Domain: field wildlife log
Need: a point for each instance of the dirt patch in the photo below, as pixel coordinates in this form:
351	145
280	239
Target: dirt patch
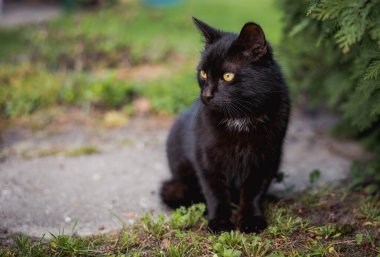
333	206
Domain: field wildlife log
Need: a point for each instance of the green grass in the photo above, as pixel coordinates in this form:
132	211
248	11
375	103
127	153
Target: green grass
34	88
183	233
134	31
12	42
72	60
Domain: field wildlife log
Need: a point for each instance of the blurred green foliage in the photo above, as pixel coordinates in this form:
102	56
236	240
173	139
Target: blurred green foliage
181	93
61	61
331	53
24	89
34	88
134	32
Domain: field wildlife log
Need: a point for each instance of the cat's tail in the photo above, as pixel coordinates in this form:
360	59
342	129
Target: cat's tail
176	193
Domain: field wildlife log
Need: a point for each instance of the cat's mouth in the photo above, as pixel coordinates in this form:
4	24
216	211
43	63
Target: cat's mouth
228	109
210	103
218	108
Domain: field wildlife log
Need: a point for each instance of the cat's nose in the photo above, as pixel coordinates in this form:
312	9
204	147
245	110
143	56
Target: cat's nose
207	96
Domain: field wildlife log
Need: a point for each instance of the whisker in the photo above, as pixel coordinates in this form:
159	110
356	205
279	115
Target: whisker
242	106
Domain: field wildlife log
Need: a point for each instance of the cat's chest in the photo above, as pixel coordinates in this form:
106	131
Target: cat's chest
232	152
235	159
236	148
232	143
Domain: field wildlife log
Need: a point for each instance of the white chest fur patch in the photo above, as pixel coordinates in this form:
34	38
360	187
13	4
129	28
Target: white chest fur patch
238	124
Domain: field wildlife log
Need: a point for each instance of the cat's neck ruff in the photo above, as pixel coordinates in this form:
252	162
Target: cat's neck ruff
238	124
243	124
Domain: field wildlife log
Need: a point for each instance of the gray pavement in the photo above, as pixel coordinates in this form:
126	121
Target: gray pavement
102	191
15	14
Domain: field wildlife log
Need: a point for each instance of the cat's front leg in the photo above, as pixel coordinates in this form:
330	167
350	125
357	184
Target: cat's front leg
251	217
217	194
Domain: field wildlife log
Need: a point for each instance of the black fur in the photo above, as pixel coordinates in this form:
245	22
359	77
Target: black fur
212	157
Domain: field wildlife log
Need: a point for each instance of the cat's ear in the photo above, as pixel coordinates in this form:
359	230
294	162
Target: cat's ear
209	33
251	41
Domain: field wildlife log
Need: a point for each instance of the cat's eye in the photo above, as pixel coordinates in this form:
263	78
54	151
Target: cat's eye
203	74
228	76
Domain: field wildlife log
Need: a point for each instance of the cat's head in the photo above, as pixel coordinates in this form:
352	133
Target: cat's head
236	72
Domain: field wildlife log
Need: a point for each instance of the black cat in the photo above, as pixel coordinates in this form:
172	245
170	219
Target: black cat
227	147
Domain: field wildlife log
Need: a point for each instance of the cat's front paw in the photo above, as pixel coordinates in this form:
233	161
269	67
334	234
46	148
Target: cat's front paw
220	225
253	224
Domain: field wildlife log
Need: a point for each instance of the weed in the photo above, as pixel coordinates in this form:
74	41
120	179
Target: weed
372	238
179	250
284	223
317	248
228	243
23	244
314	176
359	238
183	218
370	208
126	241
368	237
25	247
256	246
70	245
222	251
235	243
232	239
326	231
154	226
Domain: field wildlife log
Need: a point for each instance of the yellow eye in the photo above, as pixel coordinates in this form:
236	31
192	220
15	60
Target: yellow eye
228	76
203	74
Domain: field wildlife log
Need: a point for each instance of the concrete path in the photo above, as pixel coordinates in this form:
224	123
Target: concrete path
102	191
14	14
